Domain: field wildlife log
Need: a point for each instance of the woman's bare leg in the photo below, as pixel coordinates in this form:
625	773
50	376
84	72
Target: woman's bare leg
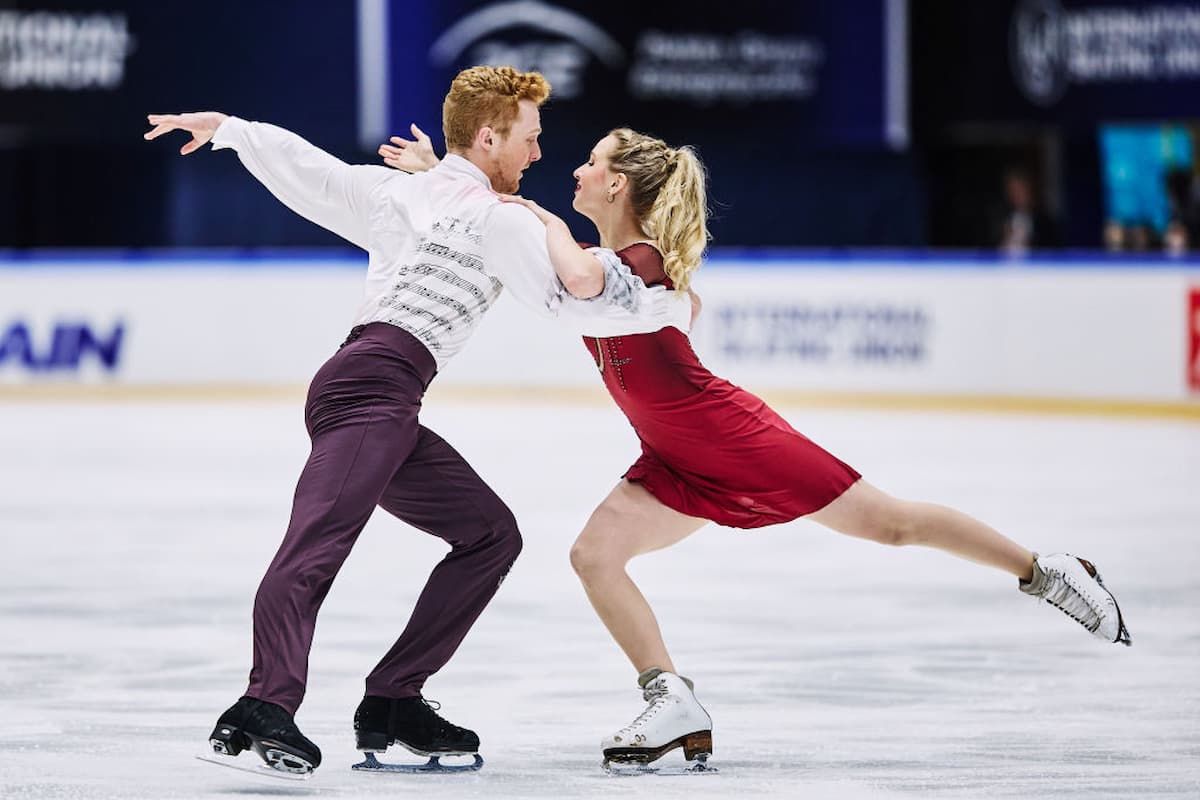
868	513
629	522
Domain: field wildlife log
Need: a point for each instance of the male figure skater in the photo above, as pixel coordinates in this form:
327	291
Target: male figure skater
441	247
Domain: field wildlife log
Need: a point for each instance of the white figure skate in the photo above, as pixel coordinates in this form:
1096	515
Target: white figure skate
672	719
1073	586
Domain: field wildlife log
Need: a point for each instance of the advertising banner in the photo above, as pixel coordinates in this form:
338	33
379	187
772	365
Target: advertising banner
1074	63
97	67
1193	336
941	328
758	73
173	322
761	89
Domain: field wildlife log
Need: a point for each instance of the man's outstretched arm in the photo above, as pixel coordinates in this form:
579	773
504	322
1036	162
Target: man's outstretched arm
306	179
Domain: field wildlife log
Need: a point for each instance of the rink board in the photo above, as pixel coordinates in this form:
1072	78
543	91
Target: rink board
1090	330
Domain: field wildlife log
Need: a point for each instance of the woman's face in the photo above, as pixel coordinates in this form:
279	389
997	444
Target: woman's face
593	179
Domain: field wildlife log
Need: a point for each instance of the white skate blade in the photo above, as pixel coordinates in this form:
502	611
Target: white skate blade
372	764
631	768
253	767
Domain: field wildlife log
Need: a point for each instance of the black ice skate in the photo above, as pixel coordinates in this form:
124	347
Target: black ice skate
268	730
412	723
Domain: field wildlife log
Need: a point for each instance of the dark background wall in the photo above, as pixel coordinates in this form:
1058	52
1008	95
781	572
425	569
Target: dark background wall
75	172
1030	84
816	166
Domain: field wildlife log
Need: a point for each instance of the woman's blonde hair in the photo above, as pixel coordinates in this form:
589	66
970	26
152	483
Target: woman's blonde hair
487	96
668	194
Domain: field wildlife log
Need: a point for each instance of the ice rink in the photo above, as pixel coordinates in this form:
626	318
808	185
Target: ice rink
135	534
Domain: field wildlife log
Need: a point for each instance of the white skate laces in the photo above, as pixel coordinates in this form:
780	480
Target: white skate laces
656	693
1073	586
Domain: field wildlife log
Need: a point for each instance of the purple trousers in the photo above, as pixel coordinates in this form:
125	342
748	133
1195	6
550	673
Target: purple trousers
368	449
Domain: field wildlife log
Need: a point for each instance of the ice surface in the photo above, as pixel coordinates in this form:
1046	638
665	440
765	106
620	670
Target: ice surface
134	536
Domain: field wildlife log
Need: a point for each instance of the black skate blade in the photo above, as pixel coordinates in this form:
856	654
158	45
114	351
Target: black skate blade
1123	636
253	767
372	764
632	768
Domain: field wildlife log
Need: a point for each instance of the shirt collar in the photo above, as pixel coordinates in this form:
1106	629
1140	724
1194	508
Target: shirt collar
458	165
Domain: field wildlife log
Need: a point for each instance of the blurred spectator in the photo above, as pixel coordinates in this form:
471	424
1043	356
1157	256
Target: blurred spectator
1183	193
1139	237
1023	224
1176	239
1114	236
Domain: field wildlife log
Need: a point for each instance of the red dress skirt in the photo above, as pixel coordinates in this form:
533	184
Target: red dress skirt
709	449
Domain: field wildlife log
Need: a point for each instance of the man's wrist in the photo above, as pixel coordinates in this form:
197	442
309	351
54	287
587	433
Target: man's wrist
226	132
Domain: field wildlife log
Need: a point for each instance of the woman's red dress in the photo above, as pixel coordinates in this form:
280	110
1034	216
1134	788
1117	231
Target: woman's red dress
709	449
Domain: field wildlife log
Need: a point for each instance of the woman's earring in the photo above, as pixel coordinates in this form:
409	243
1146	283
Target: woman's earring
612	197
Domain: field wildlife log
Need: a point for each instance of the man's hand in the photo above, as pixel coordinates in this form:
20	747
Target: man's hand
201	125
406	155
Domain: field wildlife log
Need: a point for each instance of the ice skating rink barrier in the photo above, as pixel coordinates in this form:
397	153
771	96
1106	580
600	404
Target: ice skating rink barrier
1076	333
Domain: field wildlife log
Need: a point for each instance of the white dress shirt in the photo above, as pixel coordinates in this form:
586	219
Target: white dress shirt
441	246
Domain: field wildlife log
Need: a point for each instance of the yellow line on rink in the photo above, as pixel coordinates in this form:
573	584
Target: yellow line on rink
991	404
784	398
595	396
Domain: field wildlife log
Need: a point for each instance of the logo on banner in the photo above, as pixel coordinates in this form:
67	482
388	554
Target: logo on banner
744	67
1037	41
837	333
560	43
1051	48
747	66
67	347
63	50
1193	364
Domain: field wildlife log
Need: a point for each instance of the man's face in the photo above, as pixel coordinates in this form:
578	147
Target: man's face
511	155
1020	193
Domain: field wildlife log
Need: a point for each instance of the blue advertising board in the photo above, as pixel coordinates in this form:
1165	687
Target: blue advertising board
812	73
771	94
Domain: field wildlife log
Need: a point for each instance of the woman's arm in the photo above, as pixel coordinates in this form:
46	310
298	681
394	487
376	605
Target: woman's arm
581	273
516	253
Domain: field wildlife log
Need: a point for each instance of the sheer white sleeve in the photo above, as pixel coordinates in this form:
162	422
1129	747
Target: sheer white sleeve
516	253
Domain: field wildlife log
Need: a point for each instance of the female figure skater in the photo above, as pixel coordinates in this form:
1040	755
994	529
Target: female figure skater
712	451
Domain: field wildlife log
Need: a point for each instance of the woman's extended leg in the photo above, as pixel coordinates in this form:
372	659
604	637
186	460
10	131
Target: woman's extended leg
868	513
1069	583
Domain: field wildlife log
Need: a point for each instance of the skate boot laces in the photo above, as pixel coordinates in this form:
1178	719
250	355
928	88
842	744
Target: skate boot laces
1072	599
656	693
1073	586
1076	596
431	707
437	723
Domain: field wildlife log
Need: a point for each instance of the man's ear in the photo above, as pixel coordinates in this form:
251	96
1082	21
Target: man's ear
485	137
